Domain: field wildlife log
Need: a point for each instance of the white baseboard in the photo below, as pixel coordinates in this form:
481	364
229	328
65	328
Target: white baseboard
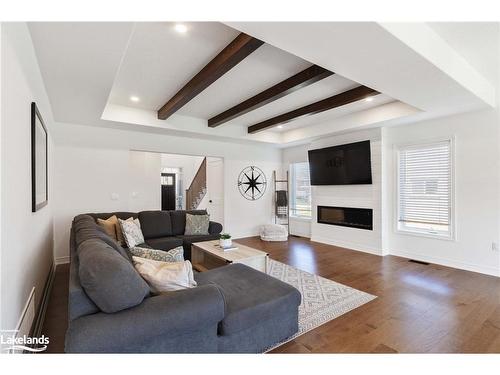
300	233
244	234
62	260
492	271
349	245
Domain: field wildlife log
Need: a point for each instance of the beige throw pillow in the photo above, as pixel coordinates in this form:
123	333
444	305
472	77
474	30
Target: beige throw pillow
109	225
165	276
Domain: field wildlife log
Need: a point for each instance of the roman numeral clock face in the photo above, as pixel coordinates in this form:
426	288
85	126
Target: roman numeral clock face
252	183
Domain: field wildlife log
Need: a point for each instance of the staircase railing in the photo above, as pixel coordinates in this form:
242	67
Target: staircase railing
198	187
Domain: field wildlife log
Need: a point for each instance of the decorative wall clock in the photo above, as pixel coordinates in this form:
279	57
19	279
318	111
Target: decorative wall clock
252	183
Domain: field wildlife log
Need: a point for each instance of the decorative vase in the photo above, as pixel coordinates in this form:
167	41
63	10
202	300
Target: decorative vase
225	243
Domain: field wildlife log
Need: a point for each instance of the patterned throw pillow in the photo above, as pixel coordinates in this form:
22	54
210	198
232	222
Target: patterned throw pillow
174	255
196	224
119	232
132	232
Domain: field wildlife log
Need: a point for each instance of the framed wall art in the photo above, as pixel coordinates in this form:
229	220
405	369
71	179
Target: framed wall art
39	161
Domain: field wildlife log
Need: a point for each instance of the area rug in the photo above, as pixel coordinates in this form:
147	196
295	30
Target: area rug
322	299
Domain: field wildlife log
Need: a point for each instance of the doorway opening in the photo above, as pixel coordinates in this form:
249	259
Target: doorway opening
168	192
193	183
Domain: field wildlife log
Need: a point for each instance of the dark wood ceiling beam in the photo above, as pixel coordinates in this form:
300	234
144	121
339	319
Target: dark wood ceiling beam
242	46
302	79
347	97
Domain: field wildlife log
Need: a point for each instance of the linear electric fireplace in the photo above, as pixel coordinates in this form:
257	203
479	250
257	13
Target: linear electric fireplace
361	218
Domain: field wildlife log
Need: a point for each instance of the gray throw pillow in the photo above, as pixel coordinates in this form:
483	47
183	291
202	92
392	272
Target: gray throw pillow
109	279
196	224
174	255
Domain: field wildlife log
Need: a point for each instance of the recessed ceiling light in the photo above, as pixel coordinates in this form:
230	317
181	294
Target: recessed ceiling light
180	28
369	99
134	98
280	126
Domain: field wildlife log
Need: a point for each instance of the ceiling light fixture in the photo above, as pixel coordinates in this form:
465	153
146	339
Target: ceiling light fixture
135	99
280	126
369	99
180	28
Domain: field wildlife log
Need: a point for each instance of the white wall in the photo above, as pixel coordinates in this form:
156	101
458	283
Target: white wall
213	201
476	192
91	163
1	140
27	238
144	181
88	179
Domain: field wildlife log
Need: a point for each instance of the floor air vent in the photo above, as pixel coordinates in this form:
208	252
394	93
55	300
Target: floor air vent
419	262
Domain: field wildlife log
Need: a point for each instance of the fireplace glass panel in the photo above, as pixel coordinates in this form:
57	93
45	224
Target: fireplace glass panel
361	218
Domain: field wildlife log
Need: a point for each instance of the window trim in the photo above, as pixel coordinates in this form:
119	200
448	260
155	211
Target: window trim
291	195
453	209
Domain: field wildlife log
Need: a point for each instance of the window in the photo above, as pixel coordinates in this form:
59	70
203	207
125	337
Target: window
300	190
425	190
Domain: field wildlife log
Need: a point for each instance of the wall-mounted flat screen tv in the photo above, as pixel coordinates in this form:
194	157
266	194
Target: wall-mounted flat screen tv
348	164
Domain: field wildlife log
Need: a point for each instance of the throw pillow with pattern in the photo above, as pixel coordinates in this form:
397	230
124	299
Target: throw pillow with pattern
174	255
196	224
132	232
119	233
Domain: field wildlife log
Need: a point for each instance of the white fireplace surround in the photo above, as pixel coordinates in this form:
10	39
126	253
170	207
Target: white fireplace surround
355	196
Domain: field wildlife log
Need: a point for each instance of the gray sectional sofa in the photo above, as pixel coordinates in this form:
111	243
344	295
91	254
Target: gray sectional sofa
234	309
164	230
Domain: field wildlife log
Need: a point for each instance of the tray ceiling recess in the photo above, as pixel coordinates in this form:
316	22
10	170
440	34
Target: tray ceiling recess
234	53
278	83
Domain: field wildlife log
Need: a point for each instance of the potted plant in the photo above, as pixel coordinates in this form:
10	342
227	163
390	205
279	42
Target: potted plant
225	240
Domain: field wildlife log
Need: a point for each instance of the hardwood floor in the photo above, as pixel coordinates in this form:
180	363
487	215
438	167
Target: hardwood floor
419	309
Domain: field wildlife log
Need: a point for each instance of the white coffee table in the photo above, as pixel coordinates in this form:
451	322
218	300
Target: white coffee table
207	255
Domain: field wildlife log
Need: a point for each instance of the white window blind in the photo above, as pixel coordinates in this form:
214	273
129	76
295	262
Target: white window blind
300	197
425	188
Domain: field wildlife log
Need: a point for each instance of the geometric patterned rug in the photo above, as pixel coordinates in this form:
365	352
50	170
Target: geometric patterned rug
322	299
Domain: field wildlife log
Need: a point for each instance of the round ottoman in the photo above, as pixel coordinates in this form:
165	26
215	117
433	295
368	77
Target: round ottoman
273	232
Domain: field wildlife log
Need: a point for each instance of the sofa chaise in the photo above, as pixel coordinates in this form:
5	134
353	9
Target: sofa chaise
233	309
